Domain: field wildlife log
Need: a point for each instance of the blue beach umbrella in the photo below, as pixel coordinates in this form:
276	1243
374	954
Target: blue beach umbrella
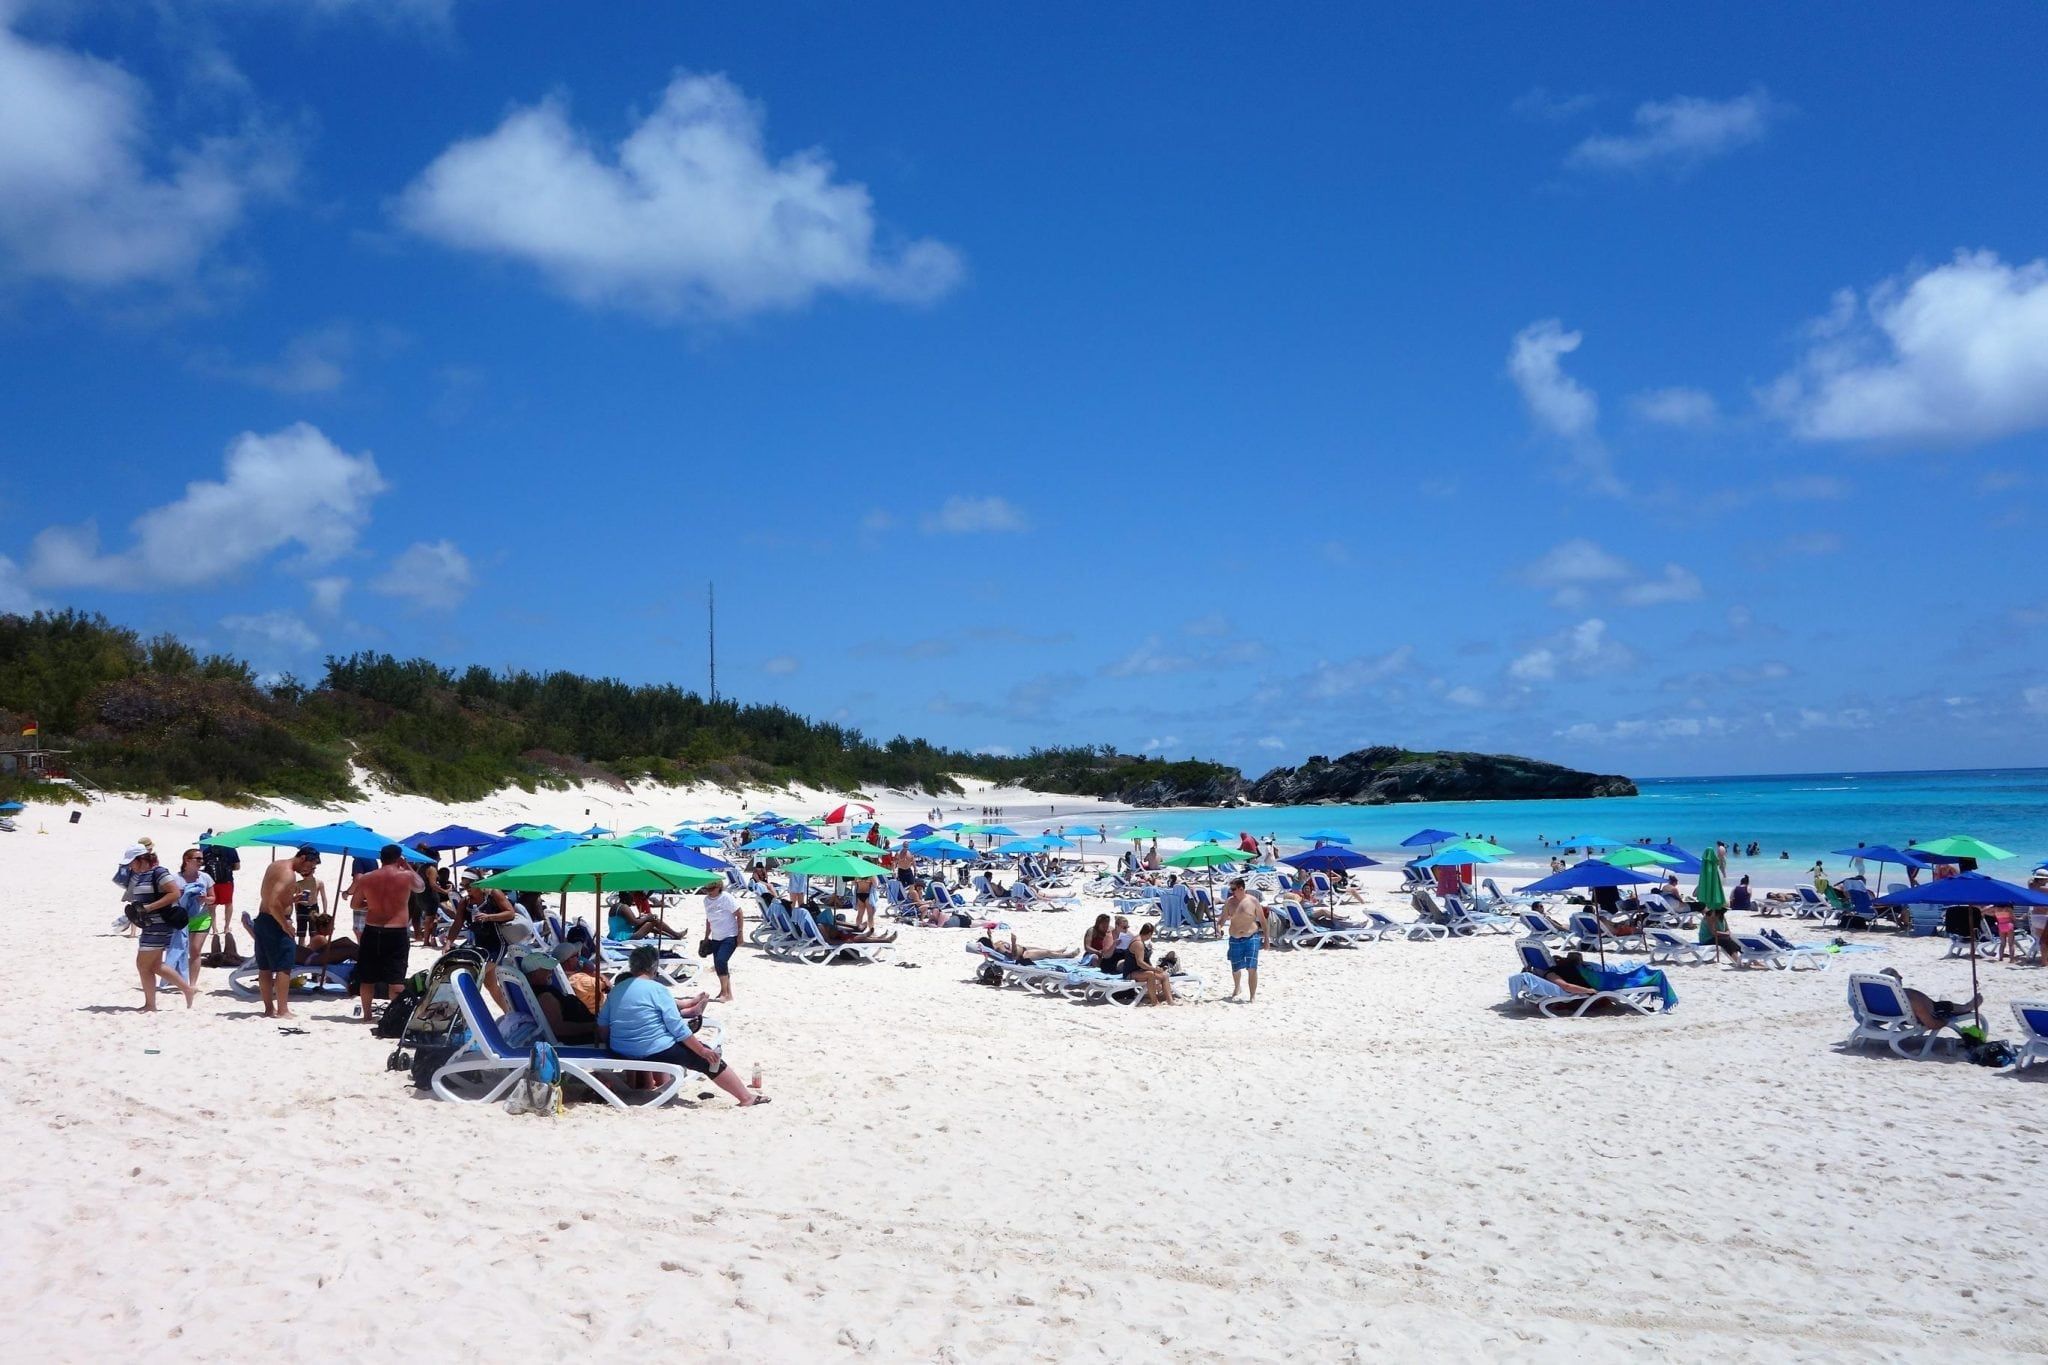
1688	863
1885	853
676	851
451	836
1455	857
1966	888
1017	846
1328	859
919	831
1086	832
1423	838
1210	836
690	838
1594	841
945	850
1331	836
10	807
765	846
1589	874
346	838
518	853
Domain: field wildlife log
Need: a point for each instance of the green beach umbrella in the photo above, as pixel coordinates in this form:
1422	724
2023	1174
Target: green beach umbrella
1962	846
258	833
1709	891
834	863
600	867
1207	855
1636	856
1141	833
1482	846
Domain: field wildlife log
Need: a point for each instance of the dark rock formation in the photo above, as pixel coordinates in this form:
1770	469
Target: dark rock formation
1383	774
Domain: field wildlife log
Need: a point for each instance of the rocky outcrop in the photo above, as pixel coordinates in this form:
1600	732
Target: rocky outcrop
1220	790
1383	774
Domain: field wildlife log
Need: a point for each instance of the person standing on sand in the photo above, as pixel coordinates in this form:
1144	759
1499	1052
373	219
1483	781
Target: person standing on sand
1244	919
277	950
724	922
150	890
385	898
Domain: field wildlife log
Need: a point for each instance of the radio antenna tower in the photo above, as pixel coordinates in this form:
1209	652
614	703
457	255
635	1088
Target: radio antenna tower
711	621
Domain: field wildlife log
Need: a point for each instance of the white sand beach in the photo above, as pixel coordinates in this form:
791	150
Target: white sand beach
1374	1160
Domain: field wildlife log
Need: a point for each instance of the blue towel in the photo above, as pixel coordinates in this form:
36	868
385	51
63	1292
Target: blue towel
1615	978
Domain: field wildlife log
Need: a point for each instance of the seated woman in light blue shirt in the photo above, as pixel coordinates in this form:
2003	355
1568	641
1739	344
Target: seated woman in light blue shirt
640	1022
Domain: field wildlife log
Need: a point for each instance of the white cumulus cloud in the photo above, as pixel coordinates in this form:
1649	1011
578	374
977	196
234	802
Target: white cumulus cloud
279	629
433	575
1680	132
1584	649
1676	584
782	665
686	217
290	487
1677	407
962	516
1955	355
327	593
1557	403
15	596
82	201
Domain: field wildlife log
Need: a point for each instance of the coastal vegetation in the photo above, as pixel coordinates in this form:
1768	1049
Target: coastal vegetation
155	716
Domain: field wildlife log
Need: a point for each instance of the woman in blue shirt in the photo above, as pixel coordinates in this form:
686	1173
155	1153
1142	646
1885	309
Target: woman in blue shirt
640	1022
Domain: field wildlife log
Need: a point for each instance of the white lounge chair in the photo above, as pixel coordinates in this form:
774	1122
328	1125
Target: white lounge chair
1669	948
1884	1015
486	1056
1385	925
1587	934
2033	1020
1303	932
1463	919
1532	987
809	944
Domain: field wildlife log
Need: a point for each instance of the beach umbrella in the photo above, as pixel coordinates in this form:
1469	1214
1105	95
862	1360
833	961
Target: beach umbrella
769	846
690	838
1328	836
1882	854
840	814
1967	888
1421	838
1055	841
1709	891
1594	841
676	851
1021	846
1686	862
1587	875
836	864
1085	832
919	831
1454	857
1206	855
1210	836
1141	832
517	853
345	838
1635	855
451	836
259	833
646	832
1329	858
887	833
597	868
1483	846
945	850
10	807
1962	846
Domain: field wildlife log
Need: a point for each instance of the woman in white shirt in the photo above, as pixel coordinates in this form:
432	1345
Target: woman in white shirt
724	922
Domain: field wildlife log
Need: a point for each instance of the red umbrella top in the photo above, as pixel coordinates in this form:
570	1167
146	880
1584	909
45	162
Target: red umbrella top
839	815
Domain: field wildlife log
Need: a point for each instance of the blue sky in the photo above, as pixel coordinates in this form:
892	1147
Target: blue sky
1653	391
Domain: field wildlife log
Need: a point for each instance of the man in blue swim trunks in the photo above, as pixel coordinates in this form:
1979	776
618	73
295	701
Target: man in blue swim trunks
1244	919
277	951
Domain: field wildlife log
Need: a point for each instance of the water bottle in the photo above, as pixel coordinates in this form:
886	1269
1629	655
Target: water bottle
756	1086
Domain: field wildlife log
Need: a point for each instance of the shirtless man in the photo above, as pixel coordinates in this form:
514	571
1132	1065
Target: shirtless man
385	898
277	950
1244	919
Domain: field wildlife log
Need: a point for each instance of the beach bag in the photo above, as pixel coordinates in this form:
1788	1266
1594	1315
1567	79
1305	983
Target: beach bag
426	1060
1992	1052
989	975
398	1014
540	1091
703	947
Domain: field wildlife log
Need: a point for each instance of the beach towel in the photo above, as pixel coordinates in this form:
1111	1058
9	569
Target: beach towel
1615	978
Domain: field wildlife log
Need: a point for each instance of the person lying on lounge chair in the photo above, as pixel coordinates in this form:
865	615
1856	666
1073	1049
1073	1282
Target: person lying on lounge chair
1933	1014
1573	970
634	917
1539	909
568	1018
1016	952
835	932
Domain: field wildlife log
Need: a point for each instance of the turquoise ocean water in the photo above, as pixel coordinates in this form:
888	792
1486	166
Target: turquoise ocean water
1805	815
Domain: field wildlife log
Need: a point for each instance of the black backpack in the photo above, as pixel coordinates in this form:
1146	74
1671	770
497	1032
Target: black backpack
398	1014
